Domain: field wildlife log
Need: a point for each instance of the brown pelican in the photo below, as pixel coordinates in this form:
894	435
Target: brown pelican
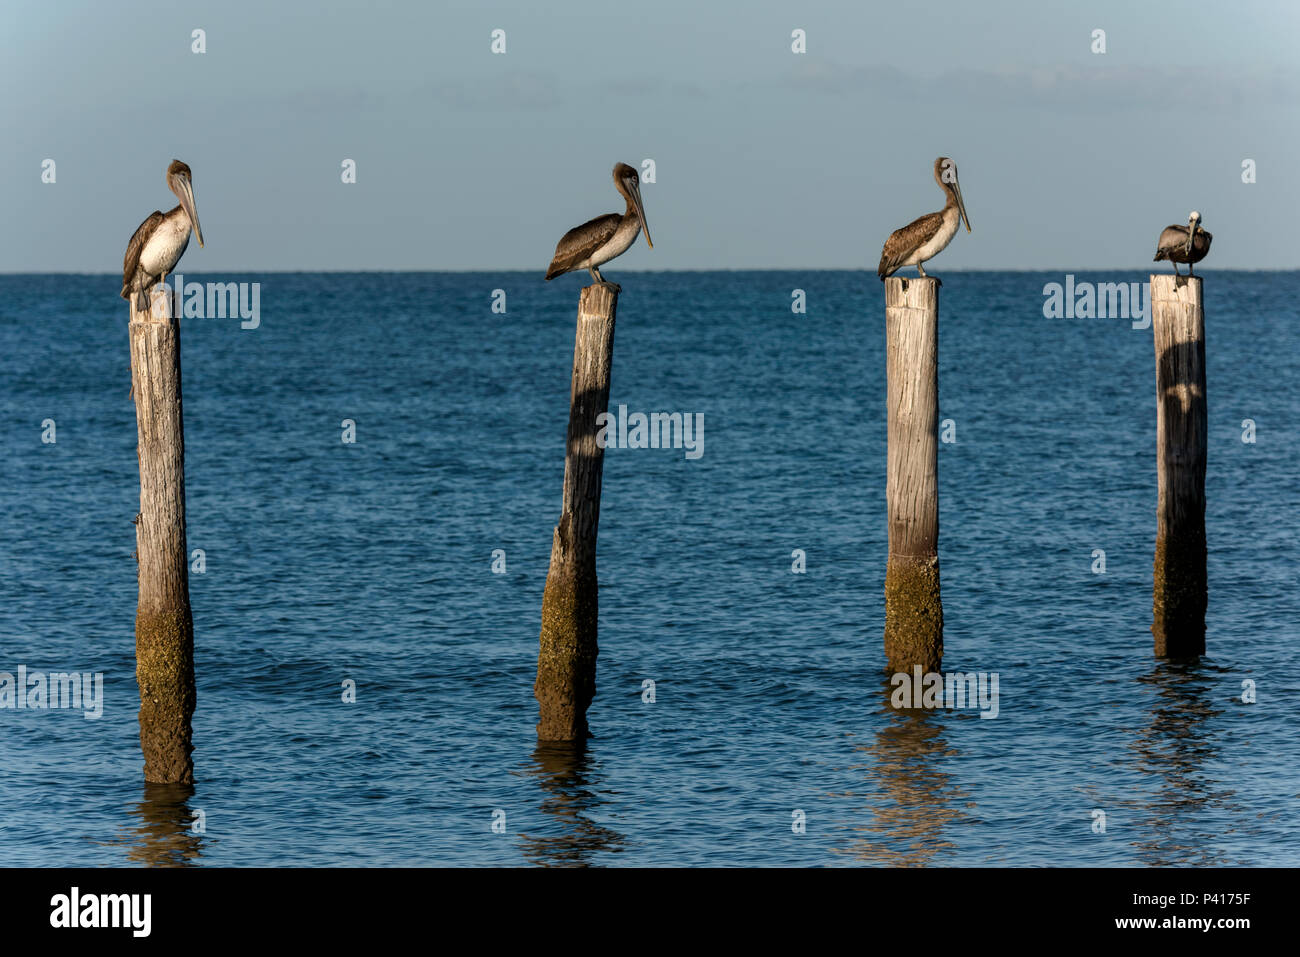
161	239
924	238
601	239
1183	244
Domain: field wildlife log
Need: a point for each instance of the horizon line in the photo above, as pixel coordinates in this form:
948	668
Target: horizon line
866	269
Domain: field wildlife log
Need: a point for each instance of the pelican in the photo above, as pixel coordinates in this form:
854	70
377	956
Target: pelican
1183	244
599	240
923	239
161	240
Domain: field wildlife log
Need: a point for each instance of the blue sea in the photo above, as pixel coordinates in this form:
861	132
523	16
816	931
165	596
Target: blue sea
770	740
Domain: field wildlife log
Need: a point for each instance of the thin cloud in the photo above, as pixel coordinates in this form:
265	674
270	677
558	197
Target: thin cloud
1083	88
507	92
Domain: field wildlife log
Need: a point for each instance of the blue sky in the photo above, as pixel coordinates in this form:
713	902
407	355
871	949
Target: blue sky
764	158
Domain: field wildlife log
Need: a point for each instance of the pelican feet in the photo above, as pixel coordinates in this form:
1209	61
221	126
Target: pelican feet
922	274
611	286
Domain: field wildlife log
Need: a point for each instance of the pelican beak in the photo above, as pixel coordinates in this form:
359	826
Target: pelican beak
640	212
187	203
1191	236
961	206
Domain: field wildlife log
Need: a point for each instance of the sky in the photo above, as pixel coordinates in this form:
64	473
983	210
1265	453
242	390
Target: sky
764	158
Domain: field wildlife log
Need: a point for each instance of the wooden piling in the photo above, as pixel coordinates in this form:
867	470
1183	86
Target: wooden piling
566	660
1178	325
913	612
164	628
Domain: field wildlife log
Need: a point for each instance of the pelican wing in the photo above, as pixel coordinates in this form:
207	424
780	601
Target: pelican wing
1172	240
134	248
581	241
903	242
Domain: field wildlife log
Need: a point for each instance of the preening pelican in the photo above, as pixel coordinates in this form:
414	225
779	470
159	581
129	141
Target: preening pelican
161	240
923	239
599	240
1183	244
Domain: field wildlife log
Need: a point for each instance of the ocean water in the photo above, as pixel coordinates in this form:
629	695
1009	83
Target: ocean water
372	561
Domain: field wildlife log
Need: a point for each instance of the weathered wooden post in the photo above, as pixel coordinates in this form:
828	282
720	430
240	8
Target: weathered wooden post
1178	324
566	661
913	613
164	628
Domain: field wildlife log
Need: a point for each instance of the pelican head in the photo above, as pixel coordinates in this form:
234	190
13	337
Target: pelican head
945	174
1193	222
628	181
178	181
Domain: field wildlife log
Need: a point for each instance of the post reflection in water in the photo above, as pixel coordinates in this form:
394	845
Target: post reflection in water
161	834
565	772
1172	750
912	799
